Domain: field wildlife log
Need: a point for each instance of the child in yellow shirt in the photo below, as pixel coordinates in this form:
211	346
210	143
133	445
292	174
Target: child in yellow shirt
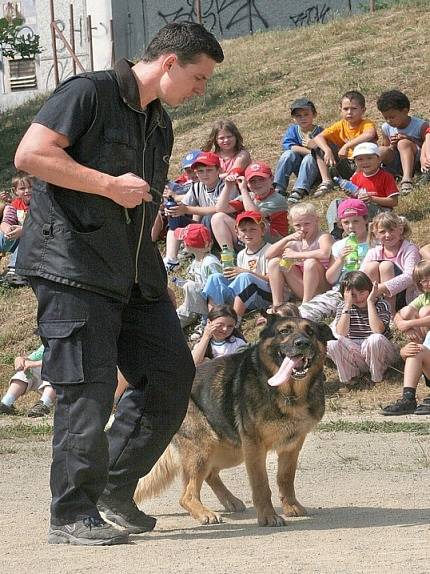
336	142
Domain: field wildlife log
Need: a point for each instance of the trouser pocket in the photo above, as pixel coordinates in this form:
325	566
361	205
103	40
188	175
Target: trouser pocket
62	358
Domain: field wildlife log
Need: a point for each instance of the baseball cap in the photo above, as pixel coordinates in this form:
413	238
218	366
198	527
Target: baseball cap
254	215
190	158
302	103
206	158
194	235
258	169
366	148
350	207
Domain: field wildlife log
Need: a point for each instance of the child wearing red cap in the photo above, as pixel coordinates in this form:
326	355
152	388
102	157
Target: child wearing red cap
198	241
256	194
246	285
199	201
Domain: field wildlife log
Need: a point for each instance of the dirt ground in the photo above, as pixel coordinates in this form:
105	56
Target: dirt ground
367	496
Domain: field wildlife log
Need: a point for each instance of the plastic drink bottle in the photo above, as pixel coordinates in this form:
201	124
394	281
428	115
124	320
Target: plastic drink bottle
352	262
170	202
286	263
227	257
349	188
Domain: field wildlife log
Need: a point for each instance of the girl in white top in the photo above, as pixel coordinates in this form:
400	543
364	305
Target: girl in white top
220	336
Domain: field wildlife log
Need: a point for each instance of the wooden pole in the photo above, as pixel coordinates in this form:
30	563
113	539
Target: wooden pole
198	10
372	6
54	44
72	37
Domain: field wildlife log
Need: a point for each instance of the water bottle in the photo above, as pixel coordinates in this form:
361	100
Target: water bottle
227	257
170	202
349	188
352	262
178	281
286	263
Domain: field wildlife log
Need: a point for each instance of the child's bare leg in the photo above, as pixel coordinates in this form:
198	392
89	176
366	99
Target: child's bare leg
277	280
224	229
425	251
314	280
372	271
172	246
17	388
48	394
239	306
386	272
387	154
157	227
294	279
407	150
323	168
413	370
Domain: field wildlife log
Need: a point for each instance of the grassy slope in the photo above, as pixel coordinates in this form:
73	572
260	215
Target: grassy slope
261	75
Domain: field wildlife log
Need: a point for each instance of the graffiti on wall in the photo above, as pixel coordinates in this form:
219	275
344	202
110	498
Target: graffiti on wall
222	15
313	15
215	17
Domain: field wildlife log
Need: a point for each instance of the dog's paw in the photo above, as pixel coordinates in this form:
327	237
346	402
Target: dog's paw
210	517
271	520
234	505
295	509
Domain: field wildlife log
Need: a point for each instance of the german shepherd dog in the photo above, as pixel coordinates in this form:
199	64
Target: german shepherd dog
267	397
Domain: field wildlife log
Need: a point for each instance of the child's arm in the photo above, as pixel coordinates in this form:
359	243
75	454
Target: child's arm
29	364
425	151
302	150
391	201
248	203
277	249
199	351
375	322
232	272
321	142
324	251
404	280
335	268
343	315
367	136
222	203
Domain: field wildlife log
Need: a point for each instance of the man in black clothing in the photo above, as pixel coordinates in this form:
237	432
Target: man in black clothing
99	149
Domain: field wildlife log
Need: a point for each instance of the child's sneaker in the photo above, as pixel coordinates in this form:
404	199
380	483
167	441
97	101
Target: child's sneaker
401	407
170	265
297	195
196	335
7	410
38	410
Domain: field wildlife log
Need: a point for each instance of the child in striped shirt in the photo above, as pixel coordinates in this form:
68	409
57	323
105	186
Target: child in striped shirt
362	327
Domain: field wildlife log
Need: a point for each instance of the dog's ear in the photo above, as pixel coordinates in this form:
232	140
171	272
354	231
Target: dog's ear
324	332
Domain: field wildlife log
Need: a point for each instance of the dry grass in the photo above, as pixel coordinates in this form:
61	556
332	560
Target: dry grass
261	75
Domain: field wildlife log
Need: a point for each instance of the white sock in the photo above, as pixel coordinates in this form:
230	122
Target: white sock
8	399
47	401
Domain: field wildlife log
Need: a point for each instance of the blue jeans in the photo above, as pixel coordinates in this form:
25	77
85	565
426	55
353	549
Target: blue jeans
9	246
254	292
304	166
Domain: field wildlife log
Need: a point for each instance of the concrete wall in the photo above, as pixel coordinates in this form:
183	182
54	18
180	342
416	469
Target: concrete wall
136	21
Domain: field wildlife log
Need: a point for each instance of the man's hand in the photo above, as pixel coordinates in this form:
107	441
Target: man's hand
129	190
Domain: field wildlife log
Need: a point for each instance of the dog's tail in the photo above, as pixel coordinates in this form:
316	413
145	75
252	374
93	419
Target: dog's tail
161	476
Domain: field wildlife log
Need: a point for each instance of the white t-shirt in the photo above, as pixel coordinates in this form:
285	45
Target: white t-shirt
256	262
199	271
226	347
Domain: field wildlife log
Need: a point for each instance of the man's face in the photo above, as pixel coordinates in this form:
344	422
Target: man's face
180	82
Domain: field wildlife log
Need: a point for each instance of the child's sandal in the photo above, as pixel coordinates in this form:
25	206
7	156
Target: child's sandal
323	188
406	187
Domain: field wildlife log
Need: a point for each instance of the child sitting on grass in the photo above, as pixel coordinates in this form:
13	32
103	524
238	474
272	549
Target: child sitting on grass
256	194
336	142
220	336
28	378
402	137
362	327
307	252
245	285
414	321
226	141
297	158
198	241
391	263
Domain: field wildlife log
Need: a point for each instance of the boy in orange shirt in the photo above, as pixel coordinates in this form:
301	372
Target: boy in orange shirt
336	142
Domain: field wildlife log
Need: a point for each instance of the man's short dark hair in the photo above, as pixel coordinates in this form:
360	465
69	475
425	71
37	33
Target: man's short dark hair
393	100
188	40
354	95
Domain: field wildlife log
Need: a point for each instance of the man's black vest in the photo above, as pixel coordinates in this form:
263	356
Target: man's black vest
86	240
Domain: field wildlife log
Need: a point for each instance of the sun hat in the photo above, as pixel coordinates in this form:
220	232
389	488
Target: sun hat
366	148
194	235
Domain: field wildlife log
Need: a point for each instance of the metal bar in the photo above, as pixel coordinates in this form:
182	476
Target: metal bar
68	47
54	44
90	42
72	37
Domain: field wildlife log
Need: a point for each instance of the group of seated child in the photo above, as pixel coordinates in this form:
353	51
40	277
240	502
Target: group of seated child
281	252
273	248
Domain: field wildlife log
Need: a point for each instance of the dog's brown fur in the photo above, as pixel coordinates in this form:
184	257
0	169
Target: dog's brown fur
235	416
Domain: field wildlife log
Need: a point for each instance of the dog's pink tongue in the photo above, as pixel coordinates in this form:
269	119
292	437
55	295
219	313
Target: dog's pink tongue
284	373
